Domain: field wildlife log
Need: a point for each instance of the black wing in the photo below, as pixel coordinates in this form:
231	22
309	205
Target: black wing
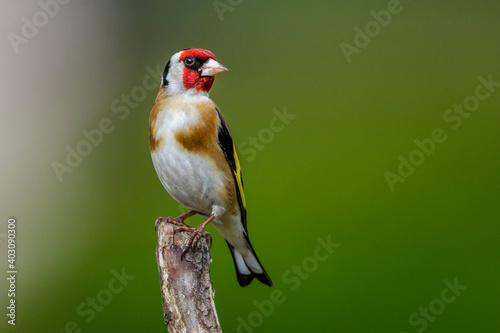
227	145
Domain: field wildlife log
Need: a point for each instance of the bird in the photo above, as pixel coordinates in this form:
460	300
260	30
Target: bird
195	158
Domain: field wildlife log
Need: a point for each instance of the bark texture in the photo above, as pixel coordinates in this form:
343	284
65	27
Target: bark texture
186	287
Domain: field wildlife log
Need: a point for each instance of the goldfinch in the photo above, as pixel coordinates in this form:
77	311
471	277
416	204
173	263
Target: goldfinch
195	158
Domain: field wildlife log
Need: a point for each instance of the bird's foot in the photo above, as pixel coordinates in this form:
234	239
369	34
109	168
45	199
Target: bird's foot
178	221
159	221
195	236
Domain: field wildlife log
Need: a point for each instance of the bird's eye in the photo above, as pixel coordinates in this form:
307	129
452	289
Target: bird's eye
189	61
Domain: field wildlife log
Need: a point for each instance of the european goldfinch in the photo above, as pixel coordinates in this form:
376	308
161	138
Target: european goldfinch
195	157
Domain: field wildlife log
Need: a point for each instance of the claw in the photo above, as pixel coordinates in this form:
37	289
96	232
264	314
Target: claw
196	232
178	221
158	221
194	238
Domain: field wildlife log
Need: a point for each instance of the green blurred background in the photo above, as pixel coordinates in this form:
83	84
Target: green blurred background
322	176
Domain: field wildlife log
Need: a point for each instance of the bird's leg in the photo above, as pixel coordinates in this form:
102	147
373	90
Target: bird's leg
197	233
178	221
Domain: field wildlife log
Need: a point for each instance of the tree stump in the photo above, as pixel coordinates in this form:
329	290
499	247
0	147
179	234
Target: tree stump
186	287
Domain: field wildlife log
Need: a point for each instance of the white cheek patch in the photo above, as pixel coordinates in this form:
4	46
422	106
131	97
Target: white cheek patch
175	79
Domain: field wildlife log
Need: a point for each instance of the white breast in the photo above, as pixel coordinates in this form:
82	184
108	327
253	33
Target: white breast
189	178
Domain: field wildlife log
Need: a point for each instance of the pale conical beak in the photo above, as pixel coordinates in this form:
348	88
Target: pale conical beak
211	67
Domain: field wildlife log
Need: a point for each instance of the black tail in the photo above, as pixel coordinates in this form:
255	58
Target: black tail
249	267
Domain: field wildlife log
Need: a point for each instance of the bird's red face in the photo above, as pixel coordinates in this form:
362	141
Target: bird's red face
200	68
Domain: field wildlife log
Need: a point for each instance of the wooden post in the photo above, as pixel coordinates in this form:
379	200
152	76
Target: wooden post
186	287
